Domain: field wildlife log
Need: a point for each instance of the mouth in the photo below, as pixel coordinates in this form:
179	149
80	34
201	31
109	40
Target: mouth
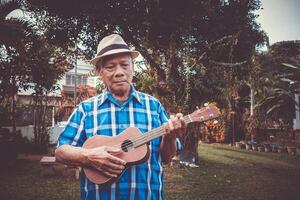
120	82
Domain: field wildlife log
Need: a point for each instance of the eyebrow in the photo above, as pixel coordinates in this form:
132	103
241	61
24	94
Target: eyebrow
112	62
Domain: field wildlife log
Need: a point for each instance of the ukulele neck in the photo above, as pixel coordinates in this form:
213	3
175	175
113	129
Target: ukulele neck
155	133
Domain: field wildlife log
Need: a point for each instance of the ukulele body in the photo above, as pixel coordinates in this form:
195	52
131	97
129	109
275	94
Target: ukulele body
132	156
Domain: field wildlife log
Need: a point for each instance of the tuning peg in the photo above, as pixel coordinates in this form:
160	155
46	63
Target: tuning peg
206	104
197	107
215	121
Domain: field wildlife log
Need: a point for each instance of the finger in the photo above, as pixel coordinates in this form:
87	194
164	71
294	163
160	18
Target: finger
116	166
182	129
170	123
170	126
183	124
116	160
108	174
112	171
179	125
103	170
179	115
176	125
107	170
112	149
108	160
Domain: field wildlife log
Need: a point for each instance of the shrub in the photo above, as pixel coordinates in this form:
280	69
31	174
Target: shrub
214	132
8	147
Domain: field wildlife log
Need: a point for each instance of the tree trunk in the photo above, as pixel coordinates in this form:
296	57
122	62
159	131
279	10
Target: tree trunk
252	102
36	119
191	139
43	124
13	114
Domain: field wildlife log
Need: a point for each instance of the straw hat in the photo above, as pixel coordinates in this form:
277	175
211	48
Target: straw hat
112	44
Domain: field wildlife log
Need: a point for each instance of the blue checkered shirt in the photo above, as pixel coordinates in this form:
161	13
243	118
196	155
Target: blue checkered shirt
103	115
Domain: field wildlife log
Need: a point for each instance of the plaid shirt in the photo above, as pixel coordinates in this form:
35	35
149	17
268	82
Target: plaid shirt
104	115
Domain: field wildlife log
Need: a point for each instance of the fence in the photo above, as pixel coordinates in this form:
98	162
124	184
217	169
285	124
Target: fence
28	131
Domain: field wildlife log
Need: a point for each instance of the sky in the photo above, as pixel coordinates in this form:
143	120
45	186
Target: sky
280	19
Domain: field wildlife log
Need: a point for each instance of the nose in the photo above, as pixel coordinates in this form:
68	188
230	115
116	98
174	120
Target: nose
119	71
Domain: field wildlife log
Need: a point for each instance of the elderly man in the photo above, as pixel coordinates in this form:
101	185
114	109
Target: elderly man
119	106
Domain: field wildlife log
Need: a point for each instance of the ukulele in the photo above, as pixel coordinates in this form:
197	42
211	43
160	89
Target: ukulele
133	143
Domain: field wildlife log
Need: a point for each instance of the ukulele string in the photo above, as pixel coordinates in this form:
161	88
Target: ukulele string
140	138
155	132
149	136
146	137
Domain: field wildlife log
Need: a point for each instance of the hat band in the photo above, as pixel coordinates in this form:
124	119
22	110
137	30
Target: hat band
112	47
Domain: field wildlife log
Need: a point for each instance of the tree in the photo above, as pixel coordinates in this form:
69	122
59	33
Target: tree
45	72
203	48
13	33
277	79
28	60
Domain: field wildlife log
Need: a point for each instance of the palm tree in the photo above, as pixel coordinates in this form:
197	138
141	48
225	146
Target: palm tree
13	30
13	35
275	80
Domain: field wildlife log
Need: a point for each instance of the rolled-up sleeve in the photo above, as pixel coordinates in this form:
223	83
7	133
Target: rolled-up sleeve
74	134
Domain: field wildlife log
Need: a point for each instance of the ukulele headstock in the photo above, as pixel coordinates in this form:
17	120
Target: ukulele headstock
209	111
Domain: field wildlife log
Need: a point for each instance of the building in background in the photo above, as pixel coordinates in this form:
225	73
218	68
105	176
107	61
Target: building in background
84	77
60	103
296	120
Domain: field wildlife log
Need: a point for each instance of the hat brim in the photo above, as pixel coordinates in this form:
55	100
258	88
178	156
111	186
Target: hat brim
134	54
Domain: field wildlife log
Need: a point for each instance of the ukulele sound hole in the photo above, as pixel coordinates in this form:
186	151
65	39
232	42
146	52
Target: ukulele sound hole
127	145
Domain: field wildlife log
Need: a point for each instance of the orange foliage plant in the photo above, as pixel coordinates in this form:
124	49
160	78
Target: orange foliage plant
214	131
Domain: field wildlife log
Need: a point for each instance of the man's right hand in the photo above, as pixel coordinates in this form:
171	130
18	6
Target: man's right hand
103	159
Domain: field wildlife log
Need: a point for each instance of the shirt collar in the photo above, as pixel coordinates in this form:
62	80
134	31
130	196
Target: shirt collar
135	94
106	95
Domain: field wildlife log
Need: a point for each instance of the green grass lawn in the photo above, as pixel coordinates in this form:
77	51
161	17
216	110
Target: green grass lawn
224	173
229	173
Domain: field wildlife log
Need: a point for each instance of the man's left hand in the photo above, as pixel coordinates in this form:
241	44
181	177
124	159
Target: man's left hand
176	125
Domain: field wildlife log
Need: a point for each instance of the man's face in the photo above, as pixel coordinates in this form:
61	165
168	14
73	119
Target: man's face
117	73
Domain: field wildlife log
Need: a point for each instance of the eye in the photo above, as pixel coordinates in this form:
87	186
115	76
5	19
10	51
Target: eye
109	68
125	65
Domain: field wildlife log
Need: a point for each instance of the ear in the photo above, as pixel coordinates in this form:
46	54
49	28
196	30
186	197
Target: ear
132	64
99	71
